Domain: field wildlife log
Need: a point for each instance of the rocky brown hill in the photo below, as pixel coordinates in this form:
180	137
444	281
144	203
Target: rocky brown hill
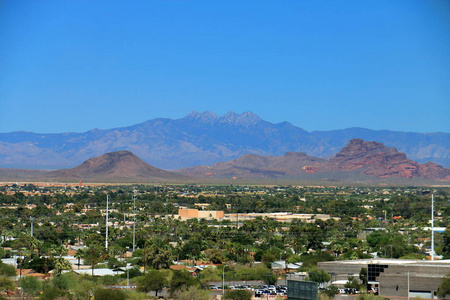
116	166
256	166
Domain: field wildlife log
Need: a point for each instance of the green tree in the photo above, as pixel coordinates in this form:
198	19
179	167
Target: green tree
81	253
155	280
331	291
363	276
7	270
62	264
181	280
319	276
352	283
66	281
158	258
6	284
238	295
446	243
114	263
444	288
210	274
268	258
215	256
30	285
94	254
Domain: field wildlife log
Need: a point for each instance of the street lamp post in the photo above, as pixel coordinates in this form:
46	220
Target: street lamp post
107	216
31	220
223	280
408	285
128	278
134	220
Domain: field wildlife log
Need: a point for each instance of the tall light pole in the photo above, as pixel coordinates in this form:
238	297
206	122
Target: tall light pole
31	220
223	280
134	220
432	227
408	284
107	216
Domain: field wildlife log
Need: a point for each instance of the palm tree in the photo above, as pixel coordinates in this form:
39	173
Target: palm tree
94	254
79	255
62	264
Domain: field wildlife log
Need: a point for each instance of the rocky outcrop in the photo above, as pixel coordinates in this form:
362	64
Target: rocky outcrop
434	171
375	159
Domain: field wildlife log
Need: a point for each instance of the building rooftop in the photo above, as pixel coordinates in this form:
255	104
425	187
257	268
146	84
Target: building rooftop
393	261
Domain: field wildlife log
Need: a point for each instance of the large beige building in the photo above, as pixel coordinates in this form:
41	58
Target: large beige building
192	213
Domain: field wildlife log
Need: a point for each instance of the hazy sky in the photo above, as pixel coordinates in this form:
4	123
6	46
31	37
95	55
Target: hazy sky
77	65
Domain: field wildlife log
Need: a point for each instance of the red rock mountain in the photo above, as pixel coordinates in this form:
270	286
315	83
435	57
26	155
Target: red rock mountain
357	157
120	165
375	159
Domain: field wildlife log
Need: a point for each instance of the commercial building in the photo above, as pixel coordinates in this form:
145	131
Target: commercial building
192	213
280	217
393	278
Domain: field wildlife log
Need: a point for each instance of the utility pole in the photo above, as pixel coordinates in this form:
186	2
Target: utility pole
107	216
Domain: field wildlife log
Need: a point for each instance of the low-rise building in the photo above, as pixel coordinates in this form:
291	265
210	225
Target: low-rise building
280	217
192	213
393	278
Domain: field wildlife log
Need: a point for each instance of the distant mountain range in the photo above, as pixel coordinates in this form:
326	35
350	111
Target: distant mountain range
205	139
358	161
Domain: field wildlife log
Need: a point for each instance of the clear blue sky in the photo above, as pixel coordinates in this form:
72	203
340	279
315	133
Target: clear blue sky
321	65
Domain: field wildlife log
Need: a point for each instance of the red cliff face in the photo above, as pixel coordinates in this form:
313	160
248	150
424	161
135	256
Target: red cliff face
375	159
434	171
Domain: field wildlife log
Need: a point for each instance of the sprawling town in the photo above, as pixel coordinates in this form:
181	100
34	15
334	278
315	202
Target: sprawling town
86	241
